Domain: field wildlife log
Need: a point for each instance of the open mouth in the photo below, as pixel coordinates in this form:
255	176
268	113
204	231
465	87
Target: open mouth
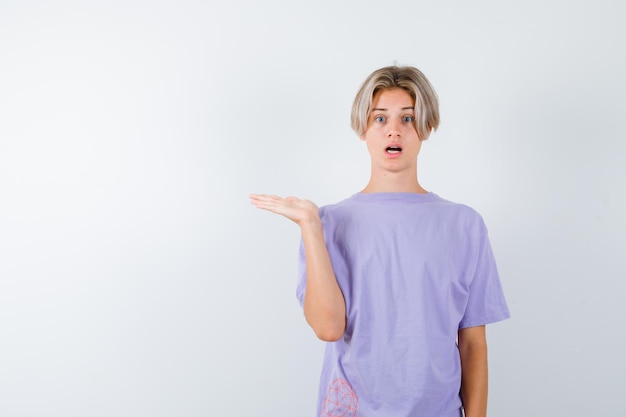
393	149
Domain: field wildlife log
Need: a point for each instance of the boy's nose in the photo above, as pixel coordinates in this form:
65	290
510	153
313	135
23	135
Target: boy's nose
393	129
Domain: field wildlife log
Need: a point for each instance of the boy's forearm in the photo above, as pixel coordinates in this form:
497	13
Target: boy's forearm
474	371
324	305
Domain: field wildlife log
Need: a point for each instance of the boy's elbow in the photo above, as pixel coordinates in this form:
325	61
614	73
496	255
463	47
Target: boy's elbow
328	330
329	335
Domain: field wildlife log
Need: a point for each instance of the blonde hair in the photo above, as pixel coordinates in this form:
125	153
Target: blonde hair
410	79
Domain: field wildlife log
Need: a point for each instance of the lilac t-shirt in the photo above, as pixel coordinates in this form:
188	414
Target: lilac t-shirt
413	269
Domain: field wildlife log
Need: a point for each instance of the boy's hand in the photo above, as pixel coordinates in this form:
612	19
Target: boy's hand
300	211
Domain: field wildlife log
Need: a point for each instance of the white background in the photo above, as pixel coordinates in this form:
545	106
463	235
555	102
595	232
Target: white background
137	280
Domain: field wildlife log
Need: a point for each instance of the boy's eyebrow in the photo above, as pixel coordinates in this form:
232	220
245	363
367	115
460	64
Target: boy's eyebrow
403	108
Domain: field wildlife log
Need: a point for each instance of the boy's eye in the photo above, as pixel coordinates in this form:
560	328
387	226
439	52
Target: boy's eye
379	119
408	119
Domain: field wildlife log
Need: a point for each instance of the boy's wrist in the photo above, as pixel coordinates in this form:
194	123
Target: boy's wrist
312	223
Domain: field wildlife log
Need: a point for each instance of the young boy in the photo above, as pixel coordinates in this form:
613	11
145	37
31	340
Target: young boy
401	281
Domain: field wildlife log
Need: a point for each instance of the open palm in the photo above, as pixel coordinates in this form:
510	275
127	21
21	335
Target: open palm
293	208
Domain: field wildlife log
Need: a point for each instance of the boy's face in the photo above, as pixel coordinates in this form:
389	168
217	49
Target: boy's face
391	138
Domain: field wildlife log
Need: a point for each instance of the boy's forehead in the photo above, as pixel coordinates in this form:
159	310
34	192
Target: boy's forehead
392	98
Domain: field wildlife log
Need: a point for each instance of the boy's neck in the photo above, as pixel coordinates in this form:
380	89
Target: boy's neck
390	183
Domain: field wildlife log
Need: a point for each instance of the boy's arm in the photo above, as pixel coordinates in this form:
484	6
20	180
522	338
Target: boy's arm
473	352
324	305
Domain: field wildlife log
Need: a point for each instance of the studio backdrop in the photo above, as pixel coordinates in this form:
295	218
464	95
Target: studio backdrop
137	280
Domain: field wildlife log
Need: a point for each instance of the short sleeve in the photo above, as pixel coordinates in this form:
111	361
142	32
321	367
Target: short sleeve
486	303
